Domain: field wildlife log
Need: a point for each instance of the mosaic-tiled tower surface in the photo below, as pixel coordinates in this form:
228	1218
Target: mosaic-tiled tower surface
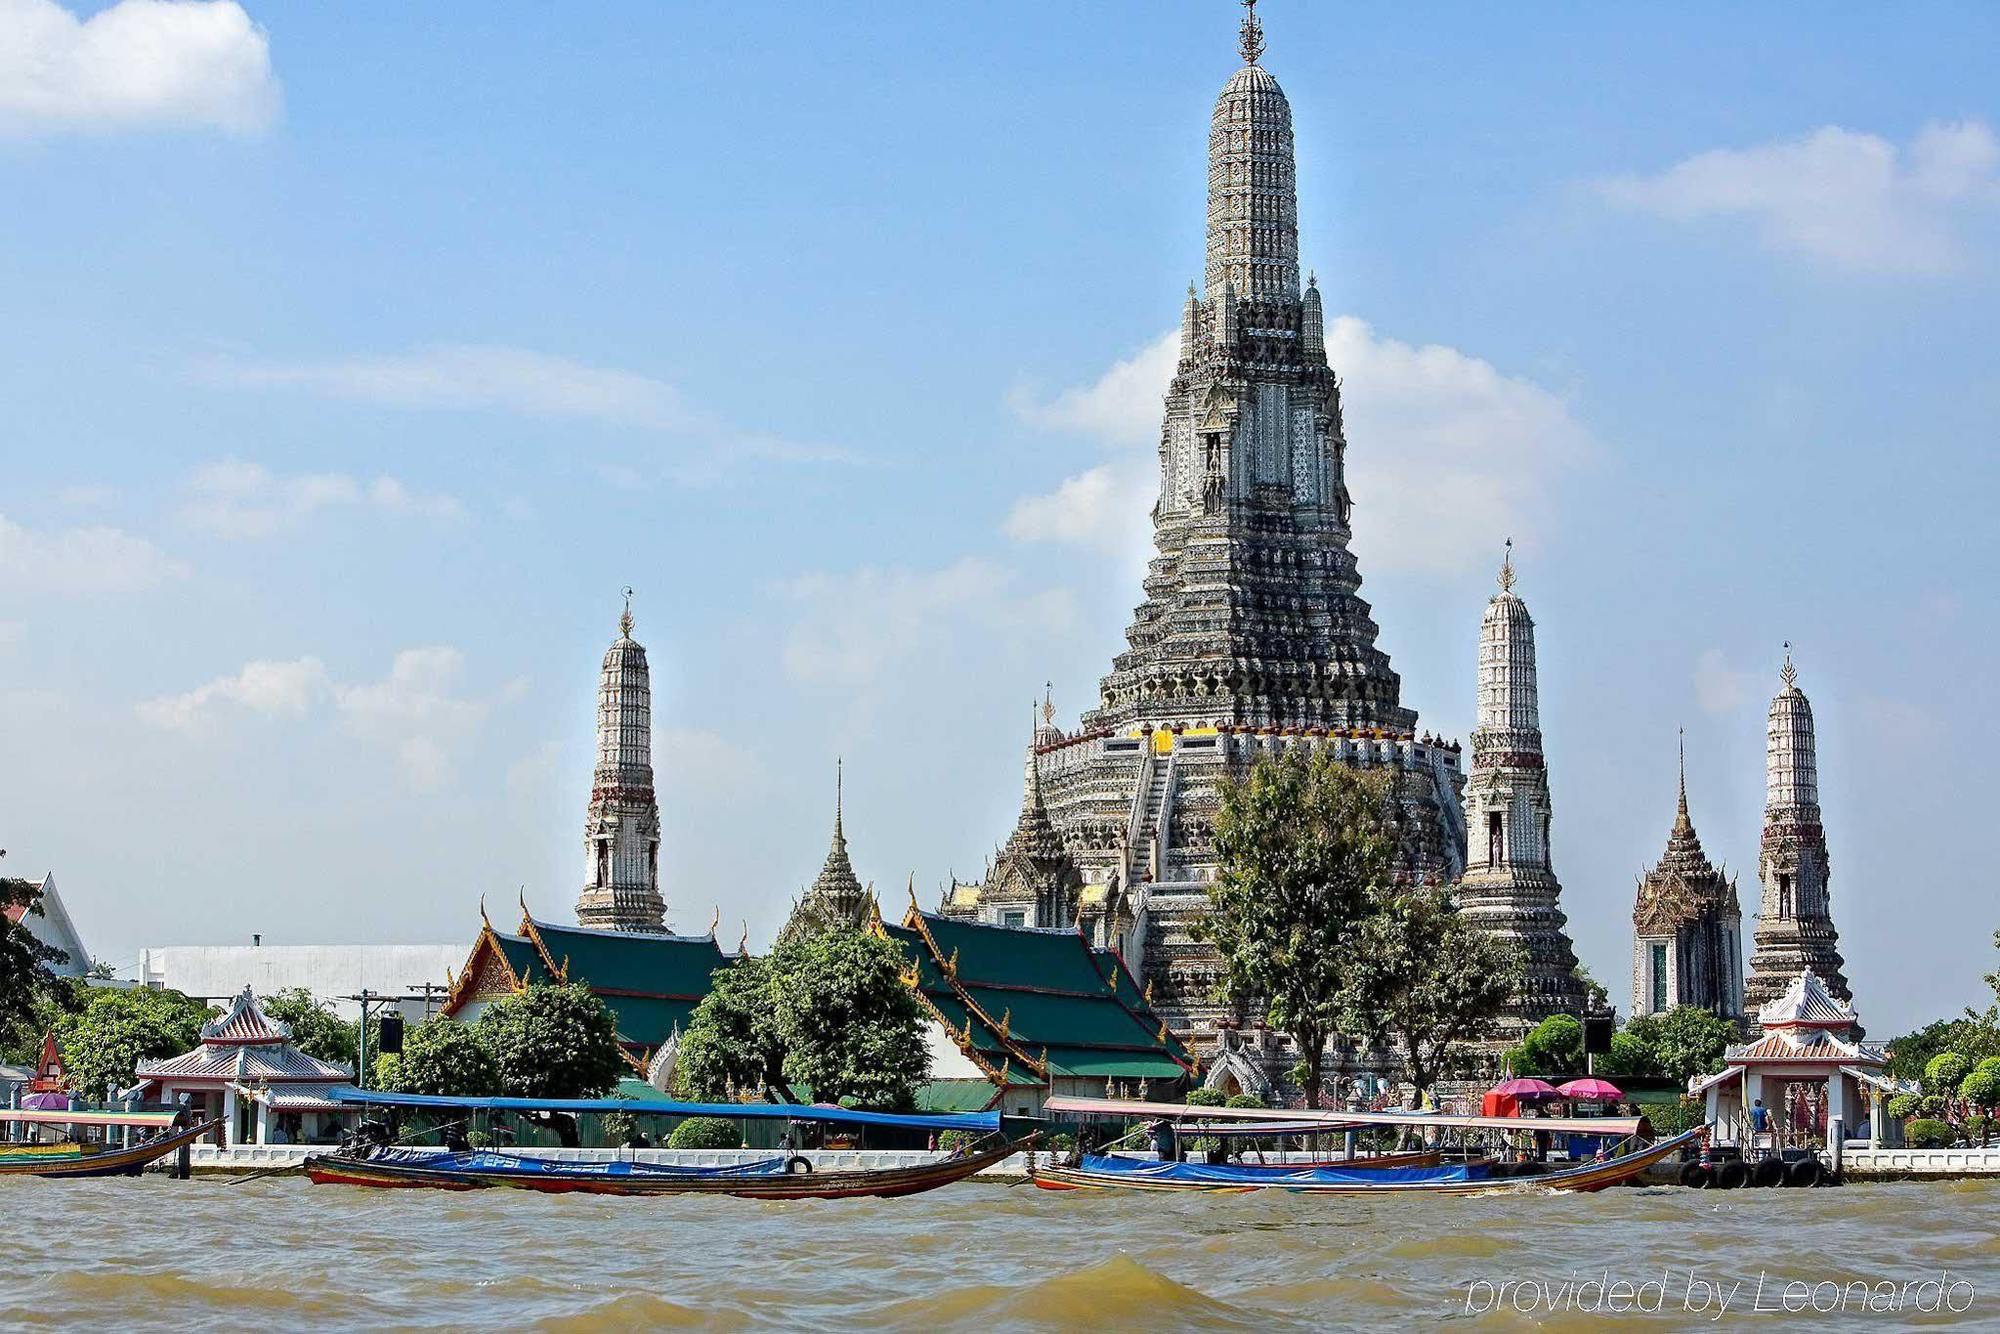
1687	929
1510	886
836	897
621	833
1795	920
1252	636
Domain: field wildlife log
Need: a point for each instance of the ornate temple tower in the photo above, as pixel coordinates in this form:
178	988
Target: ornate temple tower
1795	921
621	832
836	896
1687	928
1510	886
1032	880
1252	637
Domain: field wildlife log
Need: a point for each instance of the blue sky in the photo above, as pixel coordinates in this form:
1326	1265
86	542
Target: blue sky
354	357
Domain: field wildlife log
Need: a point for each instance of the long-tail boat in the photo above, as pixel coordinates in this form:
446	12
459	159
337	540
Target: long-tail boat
1110	1172
782	1176
76	1158
778	1178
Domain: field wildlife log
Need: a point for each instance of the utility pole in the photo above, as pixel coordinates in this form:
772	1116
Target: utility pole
361	1059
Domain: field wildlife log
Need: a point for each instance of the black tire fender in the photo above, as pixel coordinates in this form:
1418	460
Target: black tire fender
797	1166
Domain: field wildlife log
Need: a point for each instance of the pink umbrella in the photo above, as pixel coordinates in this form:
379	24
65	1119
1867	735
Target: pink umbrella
1519	1089
1591	1090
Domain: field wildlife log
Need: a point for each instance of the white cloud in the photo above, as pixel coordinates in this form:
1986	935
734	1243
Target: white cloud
696	764
1447	456
857	626
1092	509
265	687
1122	407
418	712
1855	201
138	64
476	377
246	500
1718	687
95	559
487	378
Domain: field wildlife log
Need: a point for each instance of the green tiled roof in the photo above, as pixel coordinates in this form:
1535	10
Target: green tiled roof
522	957
651	984
632	961
955	1095
1052	993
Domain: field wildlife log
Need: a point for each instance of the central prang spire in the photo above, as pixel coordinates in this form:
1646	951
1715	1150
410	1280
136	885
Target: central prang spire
1253	206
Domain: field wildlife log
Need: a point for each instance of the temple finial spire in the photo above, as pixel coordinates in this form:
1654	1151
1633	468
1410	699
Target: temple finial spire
625	619
1252	43
839	792
1683	809
1788	673
1507	568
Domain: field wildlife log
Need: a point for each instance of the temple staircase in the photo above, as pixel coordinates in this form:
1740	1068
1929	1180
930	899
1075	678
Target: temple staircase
1147	856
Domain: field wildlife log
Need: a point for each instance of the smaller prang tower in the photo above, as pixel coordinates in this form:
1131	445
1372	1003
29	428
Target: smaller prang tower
621	832
1795	922
1510	887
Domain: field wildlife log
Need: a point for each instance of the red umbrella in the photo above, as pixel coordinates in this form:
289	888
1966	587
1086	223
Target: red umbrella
1518	1089
1591	1090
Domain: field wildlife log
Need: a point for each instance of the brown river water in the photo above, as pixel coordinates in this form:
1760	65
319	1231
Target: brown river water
153	1253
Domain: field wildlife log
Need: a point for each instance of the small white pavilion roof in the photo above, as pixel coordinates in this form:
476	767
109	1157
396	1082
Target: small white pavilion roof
244	1046
1807	1003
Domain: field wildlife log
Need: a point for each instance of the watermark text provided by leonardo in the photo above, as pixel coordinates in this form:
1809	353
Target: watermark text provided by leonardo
1694	1292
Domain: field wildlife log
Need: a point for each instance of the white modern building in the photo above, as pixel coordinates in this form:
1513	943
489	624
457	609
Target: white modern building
415	977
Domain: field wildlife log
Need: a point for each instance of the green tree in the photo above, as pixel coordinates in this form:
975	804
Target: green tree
1946	1071
1981	1088
1685	1041
551	1041
1629	1058
1972	1035
115	1030
705	1132
1306	846
441	1056
731	1044
27	979
316	1029
850	1028
1552	1047
1423	979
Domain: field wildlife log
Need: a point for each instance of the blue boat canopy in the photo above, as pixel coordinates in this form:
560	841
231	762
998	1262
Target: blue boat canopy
735	1111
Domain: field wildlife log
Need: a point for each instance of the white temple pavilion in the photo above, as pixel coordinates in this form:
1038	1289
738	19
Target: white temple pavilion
1819	1082
247	1073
